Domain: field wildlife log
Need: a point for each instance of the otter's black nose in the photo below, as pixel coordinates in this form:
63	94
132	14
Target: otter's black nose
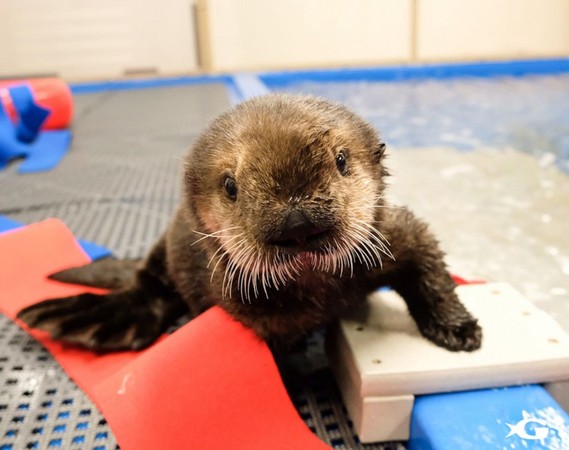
297	229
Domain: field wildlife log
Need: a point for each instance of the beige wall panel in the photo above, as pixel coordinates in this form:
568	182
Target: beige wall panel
257	34
81	39
491	29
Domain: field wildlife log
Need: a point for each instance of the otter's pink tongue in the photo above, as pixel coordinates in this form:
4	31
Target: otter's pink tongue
305	258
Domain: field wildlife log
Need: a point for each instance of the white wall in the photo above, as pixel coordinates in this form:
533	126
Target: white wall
253	34
491	29
98	39
85	39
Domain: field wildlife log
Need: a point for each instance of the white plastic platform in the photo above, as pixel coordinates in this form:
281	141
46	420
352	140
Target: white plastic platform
382	362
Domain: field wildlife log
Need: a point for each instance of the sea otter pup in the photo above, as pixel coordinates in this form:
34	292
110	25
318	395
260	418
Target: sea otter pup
284	225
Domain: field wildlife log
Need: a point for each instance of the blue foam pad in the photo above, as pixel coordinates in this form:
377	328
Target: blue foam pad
10	147
32	116
522	417
94	251
46	151
43	150
7	224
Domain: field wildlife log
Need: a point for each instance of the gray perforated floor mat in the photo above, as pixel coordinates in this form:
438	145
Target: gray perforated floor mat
40	408
118	187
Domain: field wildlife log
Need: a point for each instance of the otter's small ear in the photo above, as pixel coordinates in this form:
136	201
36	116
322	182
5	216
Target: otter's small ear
379	152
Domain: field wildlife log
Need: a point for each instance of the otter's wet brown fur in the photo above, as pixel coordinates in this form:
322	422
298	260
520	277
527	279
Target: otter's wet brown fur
283	224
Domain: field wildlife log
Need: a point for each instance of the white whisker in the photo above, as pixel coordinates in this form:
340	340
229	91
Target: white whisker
215	234
227	243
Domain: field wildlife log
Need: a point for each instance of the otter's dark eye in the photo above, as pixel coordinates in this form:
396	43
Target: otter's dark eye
230	188
342	163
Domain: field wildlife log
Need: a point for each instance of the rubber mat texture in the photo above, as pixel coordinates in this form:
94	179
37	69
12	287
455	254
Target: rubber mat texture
121	181
118	187
40	408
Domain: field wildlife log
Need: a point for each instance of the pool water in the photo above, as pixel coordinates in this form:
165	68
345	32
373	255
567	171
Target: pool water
528	113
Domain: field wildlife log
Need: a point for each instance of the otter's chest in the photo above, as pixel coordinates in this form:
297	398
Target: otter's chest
298	307
315	294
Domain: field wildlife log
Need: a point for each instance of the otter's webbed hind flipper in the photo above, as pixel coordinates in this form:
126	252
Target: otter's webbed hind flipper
131	318
107	273
124	320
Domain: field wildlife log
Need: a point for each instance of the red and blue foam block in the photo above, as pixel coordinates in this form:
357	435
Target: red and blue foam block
33	117
51	94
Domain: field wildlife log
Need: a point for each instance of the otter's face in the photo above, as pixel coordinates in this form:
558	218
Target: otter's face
287	189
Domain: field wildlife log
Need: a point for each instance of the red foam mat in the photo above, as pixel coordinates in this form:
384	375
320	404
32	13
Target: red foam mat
210	385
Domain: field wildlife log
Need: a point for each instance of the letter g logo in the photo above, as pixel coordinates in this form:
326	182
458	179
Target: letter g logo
520	430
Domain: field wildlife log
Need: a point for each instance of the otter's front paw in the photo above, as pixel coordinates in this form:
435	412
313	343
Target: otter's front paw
465	335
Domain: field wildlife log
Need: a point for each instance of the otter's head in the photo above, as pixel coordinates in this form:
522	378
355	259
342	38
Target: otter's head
285	186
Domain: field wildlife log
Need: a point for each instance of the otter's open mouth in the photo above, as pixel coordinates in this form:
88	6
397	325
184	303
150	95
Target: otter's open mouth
310	243
306	258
